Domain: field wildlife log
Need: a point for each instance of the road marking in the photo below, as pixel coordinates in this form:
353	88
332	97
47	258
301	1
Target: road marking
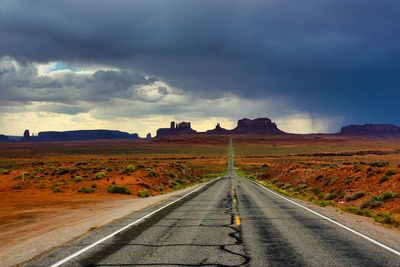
233	191
332	221
79	252
237	220
234	200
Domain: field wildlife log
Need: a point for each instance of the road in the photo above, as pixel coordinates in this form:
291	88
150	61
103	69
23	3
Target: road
229	222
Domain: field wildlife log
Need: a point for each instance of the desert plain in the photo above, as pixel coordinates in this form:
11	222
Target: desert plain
50	185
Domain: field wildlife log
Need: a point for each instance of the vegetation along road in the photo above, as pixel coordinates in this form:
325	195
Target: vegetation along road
229	221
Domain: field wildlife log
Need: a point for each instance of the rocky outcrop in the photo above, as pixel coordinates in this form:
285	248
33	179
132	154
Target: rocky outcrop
27	137
178	129
370	130
84	135
218	130
259	126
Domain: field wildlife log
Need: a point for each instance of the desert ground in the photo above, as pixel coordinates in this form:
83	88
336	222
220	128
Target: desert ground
43	182
358	175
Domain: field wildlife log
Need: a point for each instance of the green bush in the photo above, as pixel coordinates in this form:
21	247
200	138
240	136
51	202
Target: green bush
99	175
78	179
143	194
152	174
347	181
158	188
388	195
357	211
299	187
315	190
355	196
173	184
93	186
384	217
371	203
390	172
171	174
5	171
118	189
18	186
378	164
180	181
330	196
85	190
383	179
319	177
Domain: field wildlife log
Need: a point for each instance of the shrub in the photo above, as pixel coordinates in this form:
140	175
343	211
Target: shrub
78	179
171	174
369	174
388	195
62	171
128	169
18	186
85	189
357	211
118	189
143	194
57	190
384	217
6	172
179	181
371	203
152	174
390	172
158	188
357	167
330	196
299	187
383	179
315	190
378	164
318	177
347	181
93	186
99	175
172	184
355	196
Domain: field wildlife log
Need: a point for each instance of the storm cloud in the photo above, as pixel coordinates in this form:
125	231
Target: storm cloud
324	59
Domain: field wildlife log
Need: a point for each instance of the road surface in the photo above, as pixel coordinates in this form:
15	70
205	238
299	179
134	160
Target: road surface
229	222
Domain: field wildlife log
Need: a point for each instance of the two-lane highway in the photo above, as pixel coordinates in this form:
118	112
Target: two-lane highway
229	222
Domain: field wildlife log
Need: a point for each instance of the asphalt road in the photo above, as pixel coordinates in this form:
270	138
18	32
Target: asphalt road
229	222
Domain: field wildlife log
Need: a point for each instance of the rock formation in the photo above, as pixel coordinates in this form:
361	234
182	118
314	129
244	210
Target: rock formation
218	130
27	137
259	126
370	130
179	128
84	135
148	136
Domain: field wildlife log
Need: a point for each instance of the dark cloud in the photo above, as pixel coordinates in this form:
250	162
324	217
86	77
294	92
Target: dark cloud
333	57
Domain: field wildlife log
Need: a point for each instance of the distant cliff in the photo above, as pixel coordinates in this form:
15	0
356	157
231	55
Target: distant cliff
259	126
179	128
84	135
370	130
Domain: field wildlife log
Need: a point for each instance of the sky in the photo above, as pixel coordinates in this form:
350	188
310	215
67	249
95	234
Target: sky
311	66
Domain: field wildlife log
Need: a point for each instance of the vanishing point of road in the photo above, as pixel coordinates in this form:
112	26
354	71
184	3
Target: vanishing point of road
230	221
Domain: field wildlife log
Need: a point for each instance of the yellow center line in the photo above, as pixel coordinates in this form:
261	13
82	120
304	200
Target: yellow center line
233	191
237	220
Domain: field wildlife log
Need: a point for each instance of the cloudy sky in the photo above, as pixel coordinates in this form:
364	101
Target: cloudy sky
309	65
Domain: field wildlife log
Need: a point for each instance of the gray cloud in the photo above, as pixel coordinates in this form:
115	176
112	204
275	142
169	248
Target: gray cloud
333	57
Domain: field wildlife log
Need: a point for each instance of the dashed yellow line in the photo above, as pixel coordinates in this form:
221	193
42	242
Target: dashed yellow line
233	191
237	220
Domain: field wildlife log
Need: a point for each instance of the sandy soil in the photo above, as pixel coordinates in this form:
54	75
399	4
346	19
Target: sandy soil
52	223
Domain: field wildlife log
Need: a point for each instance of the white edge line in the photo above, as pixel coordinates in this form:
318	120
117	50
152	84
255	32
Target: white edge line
332	221
126	227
